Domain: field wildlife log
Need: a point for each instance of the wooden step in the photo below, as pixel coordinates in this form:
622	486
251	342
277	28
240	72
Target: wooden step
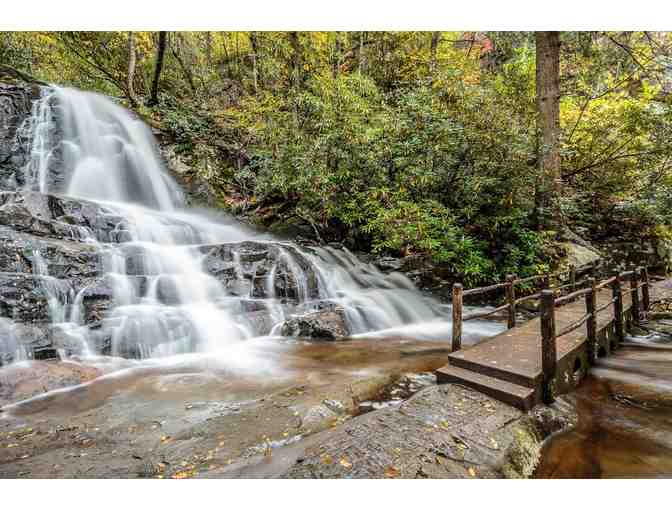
469	361
513	394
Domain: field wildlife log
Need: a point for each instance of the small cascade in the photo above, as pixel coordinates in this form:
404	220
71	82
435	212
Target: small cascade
65	309
57	292
39	130
11	349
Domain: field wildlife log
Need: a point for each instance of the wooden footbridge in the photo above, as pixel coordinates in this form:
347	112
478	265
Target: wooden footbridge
549	355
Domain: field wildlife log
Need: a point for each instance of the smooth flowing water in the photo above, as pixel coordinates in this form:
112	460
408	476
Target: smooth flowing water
166	303
624	418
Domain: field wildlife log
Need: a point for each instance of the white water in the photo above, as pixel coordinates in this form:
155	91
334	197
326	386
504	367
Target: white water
172	306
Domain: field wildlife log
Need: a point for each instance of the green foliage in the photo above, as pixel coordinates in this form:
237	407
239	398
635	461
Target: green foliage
394	144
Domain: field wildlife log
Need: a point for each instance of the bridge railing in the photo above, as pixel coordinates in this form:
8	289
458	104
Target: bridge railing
512	286
638	279
623	283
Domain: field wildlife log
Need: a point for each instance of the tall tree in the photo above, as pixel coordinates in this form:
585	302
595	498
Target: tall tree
433	47
254	43
548	130
160	51
177	48
296	60
336	64
130	76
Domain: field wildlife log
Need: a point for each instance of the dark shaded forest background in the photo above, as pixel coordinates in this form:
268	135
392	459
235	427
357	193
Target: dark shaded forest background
397	142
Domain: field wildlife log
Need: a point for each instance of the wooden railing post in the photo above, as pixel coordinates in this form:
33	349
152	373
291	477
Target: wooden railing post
646	296
618	307
548	348
572	277
457	317
511	299
591	323
634	296
546	281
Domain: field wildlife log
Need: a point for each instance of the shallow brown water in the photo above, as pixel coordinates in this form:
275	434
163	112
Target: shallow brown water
625	419
196	413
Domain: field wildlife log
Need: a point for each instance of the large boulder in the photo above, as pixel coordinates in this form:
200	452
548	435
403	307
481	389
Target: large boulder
21	341
26	297
21	382
579	255
323	325
45	215
22	253
262	270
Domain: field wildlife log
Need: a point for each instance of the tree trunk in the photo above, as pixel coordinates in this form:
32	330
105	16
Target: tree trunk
296	59
208	49
434	46
160	51
254	42
548	130
362	61
131	70
176	48
336	65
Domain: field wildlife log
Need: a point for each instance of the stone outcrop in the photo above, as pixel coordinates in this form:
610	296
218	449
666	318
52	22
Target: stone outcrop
15	106
446	431
321	325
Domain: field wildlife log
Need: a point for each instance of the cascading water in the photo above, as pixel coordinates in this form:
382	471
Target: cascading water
169	295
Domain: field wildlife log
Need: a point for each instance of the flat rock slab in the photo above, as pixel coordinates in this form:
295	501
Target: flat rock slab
446	431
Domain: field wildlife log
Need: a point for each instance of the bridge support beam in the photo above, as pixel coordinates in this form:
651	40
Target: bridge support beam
511	299
549	360
457	318
634	296
646	296
617	297
591	323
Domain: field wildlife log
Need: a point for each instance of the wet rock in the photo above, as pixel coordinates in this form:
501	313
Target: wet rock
15	105
442	432
445	431
20	341
335	405
97	299
45	215
188	173
323	325
262	270
410	384
63	259
21	382
318	417
560	416
25	297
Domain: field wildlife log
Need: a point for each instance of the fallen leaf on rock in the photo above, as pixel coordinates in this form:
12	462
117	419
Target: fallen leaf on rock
187	473
472	471
326	459
345	463
392	472
165	439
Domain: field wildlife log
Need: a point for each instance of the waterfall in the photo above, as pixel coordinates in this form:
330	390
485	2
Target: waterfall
38	129
182	282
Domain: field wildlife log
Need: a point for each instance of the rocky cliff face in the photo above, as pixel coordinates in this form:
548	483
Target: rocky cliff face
15	106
